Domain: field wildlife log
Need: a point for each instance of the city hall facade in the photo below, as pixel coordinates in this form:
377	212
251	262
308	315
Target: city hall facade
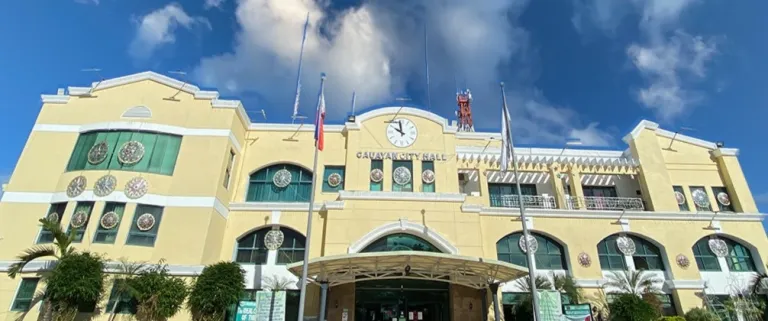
412	219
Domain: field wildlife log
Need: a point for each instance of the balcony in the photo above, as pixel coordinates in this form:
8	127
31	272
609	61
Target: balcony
597	203
530	201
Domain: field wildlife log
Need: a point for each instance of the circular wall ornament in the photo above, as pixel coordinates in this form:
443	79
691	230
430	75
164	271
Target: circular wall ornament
98	153
626	245
377	175
584	259
76	186
334	180
723	198
53	217
682	261
136	187
428	176
718	247
402	175
109	220
282	178
680	197
79	219
274	239
145	222
131	153
531	241
105	185
700	198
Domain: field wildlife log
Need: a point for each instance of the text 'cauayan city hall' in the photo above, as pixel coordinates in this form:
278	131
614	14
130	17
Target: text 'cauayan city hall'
147	168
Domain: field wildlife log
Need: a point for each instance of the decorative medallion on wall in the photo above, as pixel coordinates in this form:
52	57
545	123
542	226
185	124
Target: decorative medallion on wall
626	245
136	188
79	219
98	153
282	178
532	244
402	175
377	175
723	198
145	222
53	217
584	259
76	186
334	180
131	153
105	185
683	261
700	198
680	197
428	176
718	247
109	220
274	239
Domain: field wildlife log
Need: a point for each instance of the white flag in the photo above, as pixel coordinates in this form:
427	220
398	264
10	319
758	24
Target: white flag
506	139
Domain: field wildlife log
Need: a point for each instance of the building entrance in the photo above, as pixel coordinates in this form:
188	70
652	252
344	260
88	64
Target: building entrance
401	300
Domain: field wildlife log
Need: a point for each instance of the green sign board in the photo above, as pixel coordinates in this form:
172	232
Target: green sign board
550	306
577	312
269	306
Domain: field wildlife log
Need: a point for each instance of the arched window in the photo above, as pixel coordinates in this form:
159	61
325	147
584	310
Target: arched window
251	248
705	259
401	242
549	256
261	187
647	256
739	257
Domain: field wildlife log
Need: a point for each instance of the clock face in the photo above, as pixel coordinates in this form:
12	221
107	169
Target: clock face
402	132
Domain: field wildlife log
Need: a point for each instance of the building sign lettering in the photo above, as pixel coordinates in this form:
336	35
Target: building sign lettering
403	156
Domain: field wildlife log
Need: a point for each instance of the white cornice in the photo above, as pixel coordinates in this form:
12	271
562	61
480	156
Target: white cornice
285	206
547	156
54	99
109	267
645	124
725	152
614	215
294	127
685	284
478	136
589	283
402	196
359	119
404	226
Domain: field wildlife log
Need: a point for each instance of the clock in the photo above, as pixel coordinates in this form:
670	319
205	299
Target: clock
402	132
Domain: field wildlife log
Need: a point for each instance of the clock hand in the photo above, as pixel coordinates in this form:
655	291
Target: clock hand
400	123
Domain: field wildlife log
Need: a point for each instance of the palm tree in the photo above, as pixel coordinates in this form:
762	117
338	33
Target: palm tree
566	284
759	283
62	245
274	284
125	271
637	282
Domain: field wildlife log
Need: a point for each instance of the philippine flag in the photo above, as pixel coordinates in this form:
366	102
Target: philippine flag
320	119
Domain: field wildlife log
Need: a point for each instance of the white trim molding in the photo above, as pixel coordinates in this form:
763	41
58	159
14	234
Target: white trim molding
685	284
614	215
401	110
404	226
109	267
285	206
589	283
547	156
646	124
402	196
725	152
54	99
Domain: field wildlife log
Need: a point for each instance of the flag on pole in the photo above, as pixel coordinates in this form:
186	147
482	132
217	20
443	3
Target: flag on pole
320	118
298	78
506	138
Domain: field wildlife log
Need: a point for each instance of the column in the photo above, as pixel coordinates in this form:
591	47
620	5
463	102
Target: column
655	182
557	186
484	303
733	178
577	192
323	297
495	297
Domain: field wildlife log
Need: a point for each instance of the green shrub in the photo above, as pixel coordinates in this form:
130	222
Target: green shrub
629	307
77	281
159	295
672	318
216	289
700	314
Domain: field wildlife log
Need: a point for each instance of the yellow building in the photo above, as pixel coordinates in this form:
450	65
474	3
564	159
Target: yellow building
410	216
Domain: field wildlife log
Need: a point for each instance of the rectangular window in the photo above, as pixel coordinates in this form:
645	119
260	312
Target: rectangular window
377	164
58	208
338	173
700	199
228	170
145	236
718	304
682	201
126	304
25	294
160	151
600	191
108	235
705	259
721	195
505	195
427	165
407	187
82	207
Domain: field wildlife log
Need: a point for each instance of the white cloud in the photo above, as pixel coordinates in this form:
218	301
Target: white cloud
158	28
213	4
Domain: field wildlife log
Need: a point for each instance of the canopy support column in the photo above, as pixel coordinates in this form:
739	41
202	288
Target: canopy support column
323	297
495	296
484	303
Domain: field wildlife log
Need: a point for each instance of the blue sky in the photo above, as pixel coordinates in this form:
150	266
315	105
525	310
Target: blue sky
574	68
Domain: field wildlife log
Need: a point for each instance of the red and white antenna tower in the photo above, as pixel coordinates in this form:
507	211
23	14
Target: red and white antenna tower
464	100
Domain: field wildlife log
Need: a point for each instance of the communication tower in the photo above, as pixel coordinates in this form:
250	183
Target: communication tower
464	100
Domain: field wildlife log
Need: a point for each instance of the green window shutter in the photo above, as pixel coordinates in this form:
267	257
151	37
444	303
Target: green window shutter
327	173
79	158
262	189
427	165
108	236
122	138
87	207
682	207
144	238
25	294
45	235
148	140
407	187
160	151
377	164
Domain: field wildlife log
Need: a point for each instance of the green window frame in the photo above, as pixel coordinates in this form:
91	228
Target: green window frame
682	207
251	248
46	236
329	170
647	255
87	207
427	165
723	208
705	259
377	164
400	242
262	189
739	257
610	256
24	294
160	151
505	195
292	249
127	304
108	236
402	188
667	304
549	256
144	238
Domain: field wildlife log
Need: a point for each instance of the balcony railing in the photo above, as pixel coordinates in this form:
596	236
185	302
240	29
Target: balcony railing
606	203
530	201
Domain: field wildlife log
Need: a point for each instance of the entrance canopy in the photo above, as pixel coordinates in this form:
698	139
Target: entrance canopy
464	270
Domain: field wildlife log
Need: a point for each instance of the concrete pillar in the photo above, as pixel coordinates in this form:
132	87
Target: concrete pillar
577	192
655	181
495	296
557	186
323	297
733	178
484	300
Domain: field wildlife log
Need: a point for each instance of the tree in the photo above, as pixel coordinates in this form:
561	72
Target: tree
630	307
701	314
62	246
126	270
76	283
217	288
637	282
759	283
159	294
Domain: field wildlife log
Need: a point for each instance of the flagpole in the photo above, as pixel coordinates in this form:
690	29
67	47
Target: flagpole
298	76
303	280
526	233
